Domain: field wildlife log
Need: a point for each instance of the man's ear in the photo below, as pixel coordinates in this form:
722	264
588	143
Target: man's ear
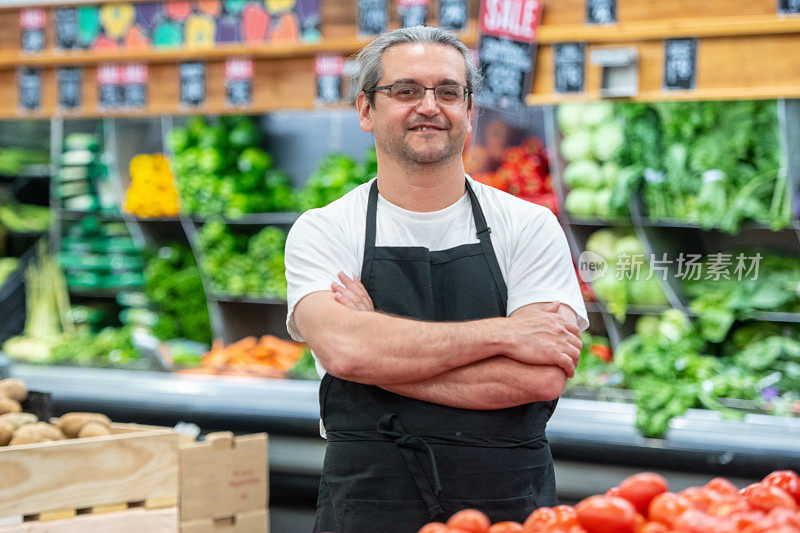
364	108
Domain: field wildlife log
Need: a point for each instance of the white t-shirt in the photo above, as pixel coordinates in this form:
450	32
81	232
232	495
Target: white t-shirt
530	245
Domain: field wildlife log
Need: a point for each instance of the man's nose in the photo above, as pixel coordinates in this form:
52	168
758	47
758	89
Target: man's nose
428	105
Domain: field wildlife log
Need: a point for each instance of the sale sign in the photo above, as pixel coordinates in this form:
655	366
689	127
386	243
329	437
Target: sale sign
517	20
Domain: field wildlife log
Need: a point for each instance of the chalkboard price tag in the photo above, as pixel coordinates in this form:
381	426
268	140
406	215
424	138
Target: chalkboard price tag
239	82
32	23
789	7
680	64
29	82
134	85
371	17
570	65
109	86
453	14
506	66
328	70
413	12
193	83
67	28
601	11
70	88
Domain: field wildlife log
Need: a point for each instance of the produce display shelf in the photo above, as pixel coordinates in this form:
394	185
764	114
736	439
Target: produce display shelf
104	292
598	222
699	441
77	214
255	219
33	172
245	299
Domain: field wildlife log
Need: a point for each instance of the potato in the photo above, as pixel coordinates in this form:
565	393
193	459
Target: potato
33	433
93	429
71	423
7	405
18	419
6	432
14	389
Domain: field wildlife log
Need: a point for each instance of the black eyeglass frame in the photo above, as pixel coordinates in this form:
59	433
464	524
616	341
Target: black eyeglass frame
467	91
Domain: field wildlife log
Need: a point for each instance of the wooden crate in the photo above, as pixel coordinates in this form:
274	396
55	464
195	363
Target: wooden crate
135	520
134	465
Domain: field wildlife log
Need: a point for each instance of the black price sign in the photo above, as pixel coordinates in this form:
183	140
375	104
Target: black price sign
29	82
680	64
193	83
413	12
789	7
453	14
32	23
601	11
134	86
70	88
109	86
239	82
328	70
67	28
371	17
506	66
570	63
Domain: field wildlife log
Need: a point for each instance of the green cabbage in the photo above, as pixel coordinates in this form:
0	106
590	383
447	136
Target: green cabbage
602	242
607	140
580	202
570	117
583	173
577	145
596	113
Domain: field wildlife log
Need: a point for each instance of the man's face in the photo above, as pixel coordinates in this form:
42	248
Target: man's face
427	132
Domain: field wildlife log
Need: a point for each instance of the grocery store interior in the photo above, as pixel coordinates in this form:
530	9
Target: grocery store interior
155	153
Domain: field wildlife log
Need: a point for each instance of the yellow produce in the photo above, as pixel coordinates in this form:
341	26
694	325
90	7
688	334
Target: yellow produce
6	432
33	433
17	420
152	192
72	423
93	429
7	405
14	389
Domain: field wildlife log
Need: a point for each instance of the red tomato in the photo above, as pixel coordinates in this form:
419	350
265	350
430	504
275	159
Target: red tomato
766	497
786	480
721	486
699	498
668	507
613	491
781	515
506	527
725	505
433	527
640	489
741	520
696	521
606	514
652	527
539	519
470	520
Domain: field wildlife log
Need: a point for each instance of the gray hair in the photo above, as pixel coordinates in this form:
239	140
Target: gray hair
370	67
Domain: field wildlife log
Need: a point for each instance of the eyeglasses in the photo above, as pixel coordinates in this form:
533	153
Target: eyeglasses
412	93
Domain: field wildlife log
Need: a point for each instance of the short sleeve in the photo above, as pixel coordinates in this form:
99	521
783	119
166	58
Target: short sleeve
316	251
541	268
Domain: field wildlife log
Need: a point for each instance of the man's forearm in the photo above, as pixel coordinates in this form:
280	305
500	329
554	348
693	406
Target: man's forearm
494	383
375	348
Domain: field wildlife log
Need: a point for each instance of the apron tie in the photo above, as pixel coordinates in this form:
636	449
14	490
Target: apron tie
390	426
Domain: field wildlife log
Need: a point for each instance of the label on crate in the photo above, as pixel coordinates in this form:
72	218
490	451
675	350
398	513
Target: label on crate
70	88
193	83
239	82
453	14
570	67
413	12
109	86
601	11
134	85
29	85
789	7
67	28
680	64
32	23
372	17
328	70
507	50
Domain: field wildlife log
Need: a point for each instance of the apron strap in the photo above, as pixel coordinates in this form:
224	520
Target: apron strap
369	240
484	236
390	426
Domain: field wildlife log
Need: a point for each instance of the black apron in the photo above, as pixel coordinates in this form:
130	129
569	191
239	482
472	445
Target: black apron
394	463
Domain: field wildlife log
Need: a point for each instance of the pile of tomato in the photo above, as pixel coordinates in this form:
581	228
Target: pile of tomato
642	503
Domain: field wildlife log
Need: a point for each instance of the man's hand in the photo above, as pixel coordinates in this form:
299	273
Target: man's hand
540	335
351	293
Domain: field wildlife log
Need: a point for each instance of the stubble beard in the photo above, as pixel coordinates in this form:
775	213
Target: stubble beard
411	158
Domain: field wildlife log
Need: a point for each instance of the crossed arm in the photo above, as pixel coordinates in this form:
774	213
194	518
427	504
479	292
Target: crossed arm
483	364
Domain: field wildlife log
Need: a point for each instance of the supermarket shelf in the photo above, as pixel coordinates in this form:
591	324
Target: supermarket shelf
597	222
33	172
107	292
246	300
773	316
255	219
700	441
76	214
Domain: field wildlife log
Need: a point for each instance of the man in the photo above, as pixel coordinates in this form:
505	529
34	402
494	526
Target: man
444	345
